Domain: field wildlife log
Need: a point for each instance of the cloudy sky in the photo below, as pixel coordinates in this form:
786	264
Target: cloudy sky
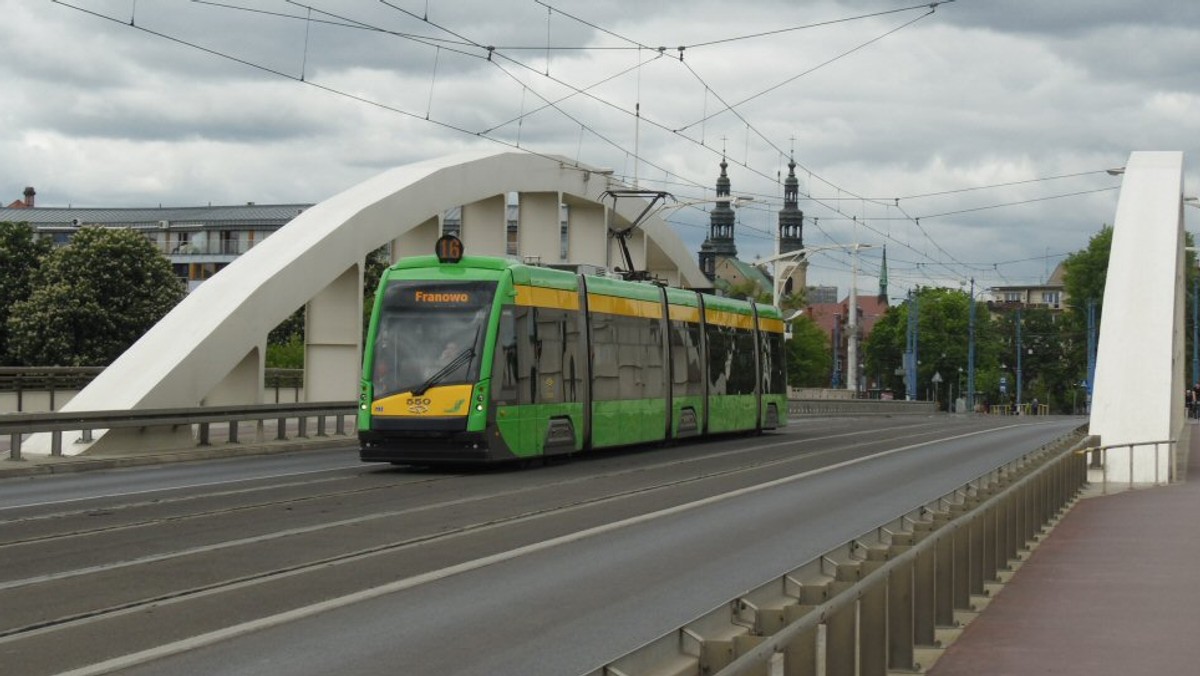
971	138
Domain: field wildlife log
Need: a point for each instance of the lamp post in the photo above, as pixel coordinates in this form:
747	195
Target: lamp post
971	352
787	261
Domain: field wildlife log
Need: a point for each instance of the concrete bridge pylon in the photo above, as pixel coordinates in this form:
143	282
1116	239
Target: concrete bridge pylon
1139	383
210	349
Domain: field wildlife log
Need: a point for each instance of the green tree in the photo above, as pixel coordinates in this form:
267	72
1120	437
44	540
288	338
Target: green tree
92	299
1085	273
285	343
943	328
808	356
21	254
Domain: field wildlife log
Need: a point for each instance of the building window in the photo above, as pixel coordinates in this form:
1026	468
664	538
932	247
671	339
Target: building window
513	209
564	214
230	242
1051	297
1012	296
452	222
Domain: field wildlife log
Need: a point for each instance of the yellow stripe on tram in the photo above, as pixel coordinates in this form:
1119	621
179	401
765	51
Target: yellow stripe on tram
683	313
731	319
628	307
538	296
770	324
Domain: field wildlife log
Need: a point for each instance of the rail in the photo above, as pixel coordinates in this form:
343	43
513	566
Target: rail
15	425
1098	459
49	387
882	602
859	406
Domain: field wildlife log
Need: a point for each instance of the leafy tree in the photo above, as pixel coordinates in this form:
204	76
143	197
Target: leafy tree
943	327
92	299
1086	271
285	343
808	356
21	254
1086	274
377	261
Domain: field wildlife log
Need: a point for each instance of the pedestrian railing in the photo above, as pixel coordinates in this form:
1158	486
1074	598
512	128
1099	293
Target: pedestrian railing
46	388
1019	409
859	406
202	418
1098	459
884	602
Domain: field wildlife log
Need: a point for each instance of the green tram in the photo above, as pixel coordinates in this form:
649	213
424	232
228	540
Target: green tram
480	360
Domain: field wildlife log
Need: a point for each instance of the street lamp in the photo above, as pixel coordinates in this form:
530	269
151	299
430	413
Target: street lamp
790	260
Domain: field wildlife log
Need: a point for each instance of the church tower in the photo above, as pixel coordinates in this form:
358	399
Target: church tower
791	232
719	243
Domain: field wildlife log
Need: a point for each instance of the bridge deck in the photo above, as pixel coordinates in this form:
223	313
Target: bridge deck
1113	590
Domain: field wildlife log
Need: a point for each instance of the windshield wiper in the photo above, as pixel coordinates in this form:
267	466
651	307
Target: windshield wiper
445	371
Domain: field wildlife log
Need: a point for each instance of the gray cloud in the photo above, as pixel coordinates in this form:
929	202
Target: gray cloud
980	93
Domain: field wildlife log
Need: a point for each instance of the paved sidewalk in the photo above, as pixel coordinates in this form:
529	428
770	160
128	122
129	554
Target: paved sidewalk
1114	589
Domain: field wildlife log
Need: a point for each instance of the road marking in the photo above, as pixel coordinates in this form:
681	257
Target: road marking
235	631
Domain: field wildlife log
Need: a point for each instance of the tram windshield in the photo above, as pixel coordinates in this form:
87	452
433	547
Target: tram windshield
430	334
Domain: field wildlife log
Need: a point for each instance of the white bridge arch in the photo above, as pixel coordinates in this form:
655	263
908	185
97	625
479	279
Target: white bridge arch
209	349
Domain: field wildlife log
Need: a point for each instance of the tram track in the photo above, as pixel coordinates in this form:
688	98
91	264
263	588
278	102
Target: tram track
110	510
343	556
262	577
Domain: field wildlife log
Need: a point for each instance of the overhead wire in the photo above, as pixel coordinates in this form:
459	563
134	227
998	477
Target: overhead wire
464	46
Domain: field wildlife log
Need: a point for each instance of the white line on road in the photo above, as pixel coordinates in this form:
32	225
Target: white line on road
213	637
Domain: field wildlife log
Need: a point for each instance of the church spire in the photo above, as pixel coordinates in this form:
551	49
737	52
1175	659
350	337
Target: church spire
720	230
791	219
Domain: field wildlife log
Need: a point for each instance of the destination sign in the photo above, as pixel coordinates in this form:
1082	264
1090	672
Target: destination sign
431	295
420	296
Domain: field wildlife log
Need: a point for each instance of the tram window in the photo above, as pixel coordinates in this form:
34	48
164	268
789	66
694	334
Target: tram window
720	358
505	362
550	329
685	358
628	361
572	357
774	373
742	378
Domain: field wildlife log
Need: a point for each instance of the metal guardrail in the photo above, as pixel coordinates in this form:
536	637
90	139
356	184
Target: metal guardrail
863	406
877	603
46	383
15	425
1098	459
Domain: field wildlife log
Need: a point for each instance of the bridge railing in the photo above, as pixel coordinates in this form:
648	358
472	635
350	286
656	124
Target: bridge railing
859	406
1098	460
883	602
30	389
200	418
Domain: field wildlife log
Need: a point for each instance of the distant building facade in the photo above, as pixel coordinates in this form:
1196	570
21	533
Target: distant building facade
821	295
1052	295
199	241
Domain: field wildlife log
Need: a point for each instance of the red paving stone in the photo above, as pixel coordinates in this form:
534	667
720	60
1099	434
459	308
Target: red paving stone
1114	589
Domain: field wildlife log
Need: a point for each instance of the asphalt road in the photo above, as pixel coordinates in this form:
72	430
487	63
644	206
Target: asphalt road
314	564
